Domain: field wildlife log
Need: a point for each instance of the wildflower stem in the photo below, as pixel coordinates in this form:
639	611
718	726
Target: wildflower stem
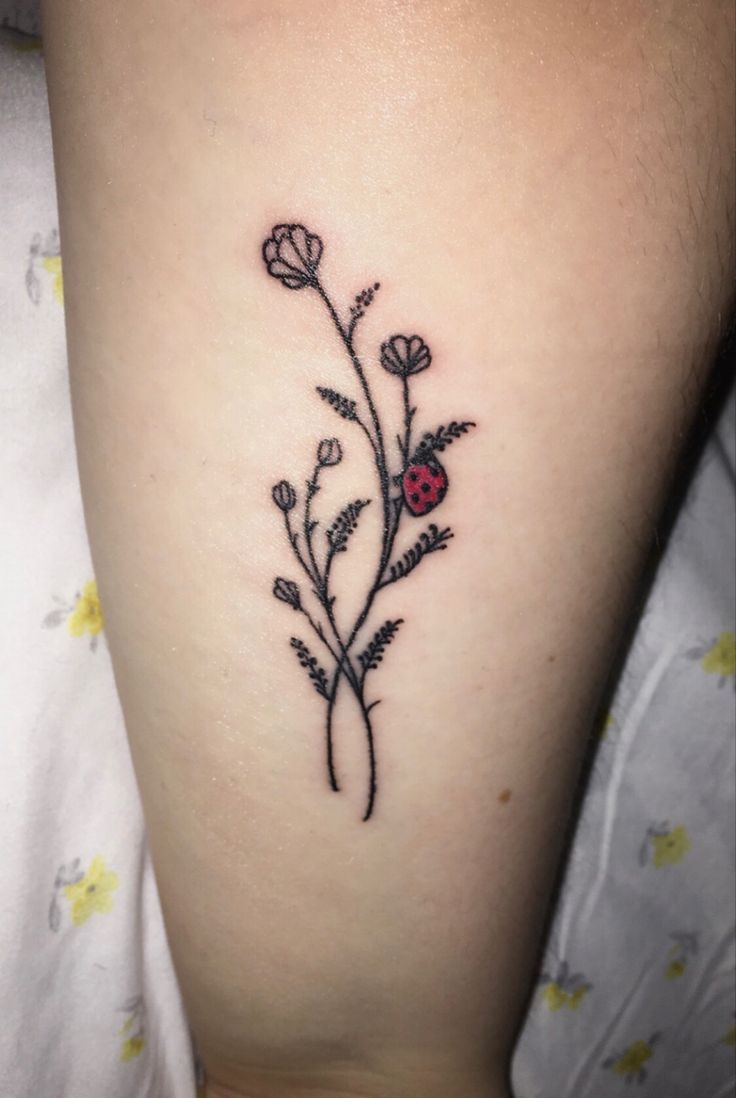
341	656
391	515
391	519
312	489
408	415
371	763
317	627
294	542
379	446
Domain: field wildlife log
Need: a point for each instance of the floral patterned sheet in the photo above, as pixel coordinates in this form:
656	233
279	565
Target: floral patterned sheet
636	992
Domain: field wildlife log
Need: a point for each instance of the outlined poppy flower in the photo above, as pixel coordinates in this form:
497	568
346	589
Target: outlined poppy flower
292	255
284	495
405	355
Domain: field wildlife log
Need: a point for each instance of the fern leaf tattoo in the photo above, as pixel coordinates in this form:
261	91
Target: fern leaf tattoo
431	540
343	405
345	525
317	674
443	436
373	654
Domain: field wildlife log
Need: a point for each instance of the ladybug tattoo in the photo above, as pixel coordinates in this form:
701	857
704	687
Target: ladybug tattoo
424	483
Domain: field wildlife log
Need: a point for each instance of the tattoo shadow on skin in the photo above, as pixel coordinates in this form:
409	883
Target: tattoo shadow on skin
292	254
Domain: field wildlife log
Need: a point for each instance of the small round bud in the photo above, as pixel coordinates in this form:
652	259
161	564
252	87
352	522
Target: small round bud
284	495
329	452
287	591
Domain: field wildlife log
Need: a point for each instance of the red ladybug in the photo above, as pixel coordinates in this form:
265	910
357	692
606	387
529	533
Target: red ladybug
424	484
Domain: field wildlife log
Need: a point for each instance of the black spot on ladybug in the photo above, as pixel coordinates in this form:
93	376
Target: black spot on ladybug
413	476
415	497
426	487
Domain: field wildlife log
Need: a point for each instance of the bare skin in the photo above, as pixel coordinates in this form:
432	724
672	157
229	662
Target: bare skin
544	194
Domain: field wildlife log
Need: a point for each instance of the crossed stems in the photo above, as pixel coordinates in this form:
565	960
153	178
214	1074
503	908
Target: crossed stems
319	578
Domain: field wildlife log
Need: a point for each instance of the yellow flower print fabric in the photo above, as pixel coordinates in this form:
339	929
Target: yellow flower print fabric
670	847
86	617
665	845
563	990
679	955
718	657
133	1029
82	942
85	892
82	614
92	893
44	266
557	998
52	264
636	991
631	1064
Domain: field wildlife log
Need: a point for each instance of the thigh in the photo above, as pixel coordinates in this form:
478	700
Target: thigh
262	207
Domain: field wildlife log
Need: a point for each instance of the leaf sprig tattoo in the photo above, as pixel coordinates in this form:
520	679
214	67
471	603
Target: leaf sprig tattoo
411	482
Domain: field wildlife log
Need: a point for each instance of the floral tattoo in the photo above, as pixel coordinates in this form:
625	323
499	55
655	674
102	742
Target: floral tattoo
411	482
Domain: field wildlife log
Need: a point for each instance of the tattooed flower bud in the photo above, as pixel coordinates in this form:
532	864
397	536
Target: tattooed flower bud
284	495
287	591
405	355
329	452
292	254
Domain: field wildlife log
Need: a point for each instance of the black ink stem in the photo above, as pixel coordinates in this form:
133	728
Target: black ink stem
293	539
380	448
331	773
320	585
330	738
408	415
294	542
312	489
390	522
320	633
321	580
392	517
371	763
